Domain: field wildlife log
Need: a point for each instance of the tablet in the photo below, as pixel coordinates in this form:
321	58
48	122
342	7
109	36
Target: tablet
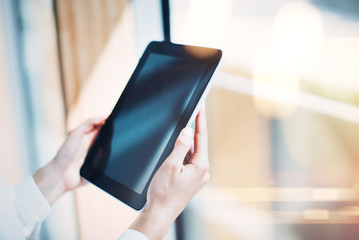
160	99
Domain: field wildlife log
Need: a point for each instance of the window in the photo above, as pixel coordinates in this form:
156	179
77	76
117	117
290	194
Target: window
283	118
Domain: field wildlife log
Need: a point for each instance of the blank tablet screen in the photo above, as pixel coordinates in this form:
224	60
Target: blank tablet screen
134	137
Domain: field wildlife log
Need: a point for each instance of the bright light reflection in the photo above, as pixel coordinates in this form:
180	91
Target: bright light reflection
206	21
266	71
296	46
297	35
337	69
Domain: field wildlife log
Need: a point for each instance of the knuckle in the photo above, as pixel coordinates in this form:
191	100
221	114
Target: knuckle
174	167
183	141
171	167
203	169
71	132
90	121
206	178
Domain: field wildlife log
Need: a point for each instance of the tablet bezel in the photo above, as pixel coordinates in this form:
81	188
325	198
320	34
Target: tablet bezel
212	58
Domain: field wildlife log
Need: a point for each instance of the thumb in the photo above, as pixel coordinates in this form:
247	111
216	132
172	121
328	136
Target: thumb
182	146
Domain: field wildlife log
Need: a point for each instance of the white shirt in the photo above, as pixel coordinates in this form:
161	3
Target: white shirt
23	210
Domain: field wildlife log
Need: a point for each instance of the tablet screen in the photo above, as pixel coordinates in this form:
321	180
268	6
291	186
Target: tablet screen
134	137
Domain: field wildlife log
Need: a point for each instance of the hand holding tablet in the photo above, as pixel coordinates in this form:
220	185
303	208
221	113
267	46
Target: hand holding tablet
175	183
160	99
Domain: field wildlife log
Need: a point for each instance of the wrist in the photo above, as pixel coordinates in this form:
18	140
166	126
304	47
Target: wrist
50	181
154	222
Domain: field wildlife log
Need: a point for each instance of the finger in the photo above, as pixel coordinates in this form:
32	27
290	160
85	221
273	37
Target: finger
86	143
182	147
87	133
95	123
201	139
90	125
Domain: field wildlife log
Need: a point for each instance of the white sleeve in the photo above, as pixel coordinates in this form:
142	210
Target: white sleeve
22	211
131	234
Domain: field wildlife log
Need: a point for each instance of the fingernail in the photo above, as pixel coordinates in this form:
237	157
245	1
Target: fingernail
188	132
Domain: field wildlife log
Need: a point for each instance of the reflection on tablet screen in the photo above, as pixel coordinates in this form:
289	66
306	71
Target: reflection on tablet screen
135	136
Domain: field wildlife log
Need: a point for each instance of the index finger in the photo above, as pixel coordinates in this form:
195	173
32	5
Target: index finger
201	139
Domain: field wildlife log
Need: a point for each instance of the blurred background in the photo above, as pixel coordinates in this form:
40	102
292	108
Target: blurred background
283	113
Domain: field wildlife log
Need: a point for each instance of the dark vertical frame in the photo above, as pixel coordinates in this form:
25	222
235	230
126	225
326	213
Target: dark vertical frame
166	20
166	26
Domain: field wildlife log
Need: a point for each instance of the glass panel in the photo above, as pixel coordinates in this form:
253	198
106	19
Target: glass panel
283	119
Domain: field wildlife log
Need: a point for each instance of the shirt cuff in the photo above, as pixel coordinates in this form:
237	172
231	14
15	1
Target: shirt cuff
32	207
131	234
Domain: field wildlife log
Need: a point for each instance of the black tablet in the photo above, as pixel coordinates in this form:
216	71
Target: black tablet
160	99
